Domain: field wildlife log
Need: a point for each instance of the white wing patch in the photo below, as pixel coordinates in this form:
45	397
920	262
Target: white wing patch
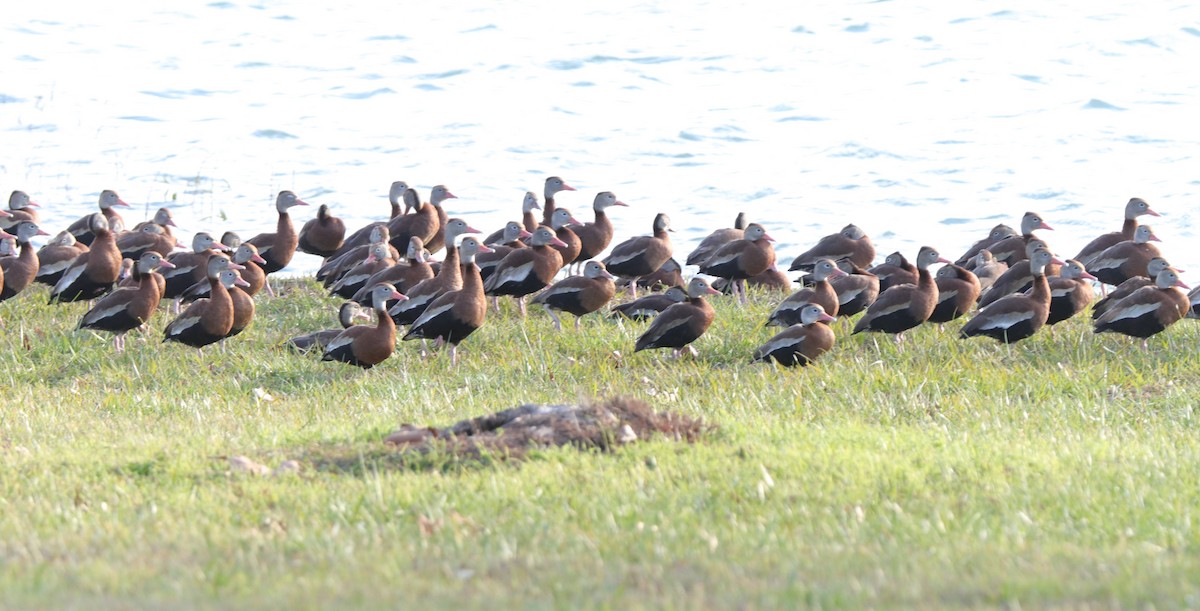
714	261
944	295
1131	311
431	313
517	274
183	324
54	268
782	342
69	277
1005	321
662	328
1061	292
338	342
618	258
96	315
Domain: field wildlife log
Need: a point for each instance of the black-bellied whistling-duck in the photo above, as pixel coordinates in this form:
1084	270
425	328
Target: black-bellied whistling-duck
151	237
1012	249
856	291
1017	316
1194	299
849	243
642	255
717	239
128	308
438	195
999	232
741	259
455	315
448	278
243	304
322	235
347	312
958	290
109	199
377	260
333	268
554	186
681	324
94	272
231	241
18	272
252	274
651	305
578	295
362	235
986	269
363	345
5	237
821	292
163	218
20	208
595	236
513	233
894	270
1126	259
1149	310
1019	276
1125	289
563	225
669	274
279	247
207	320
528	222
1135	208
527	270
904	306
1070	292
404	276
56	256
190	267
802	343
424	222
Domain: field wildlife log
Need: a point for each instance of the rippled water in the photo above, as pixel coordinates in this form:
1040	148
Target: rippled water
921	122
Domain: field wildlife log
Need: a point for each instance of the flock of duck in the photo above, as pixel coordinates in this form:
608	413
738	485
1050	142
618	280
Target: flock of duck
1010	280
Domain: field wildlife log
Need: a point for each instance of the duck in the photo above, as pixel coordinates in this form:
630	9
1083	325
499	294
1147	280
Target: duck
527	270
668	275
448	278
801	343
651	305
1148	310
231	240
151	237
595	236
363	345
188	268
578	295
1017	316
126	309
82	229
717	239
243	303
788	312
322	235
423	223
1070	292
1010	250
856	291
17	273
1126	259
279	247
351	282
20	208
347	313
403	276
163	218
362	235
1019	276
455	315
894	270
1125	289
528	222
1194	299
252	276
438	195
554	186
849	243
642	255
904	306
1135	208
997	233
94	272
986	268
514	232
209	320
772	279
741	259
562	225
6	238
958	290
56	256
681	324
334	267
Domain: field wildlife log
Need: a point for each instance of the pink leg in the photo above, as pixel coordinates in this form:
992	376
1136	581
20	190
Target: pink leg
557	322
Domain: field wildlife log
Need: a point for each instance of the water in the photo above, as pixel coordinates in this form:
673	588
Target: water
922	122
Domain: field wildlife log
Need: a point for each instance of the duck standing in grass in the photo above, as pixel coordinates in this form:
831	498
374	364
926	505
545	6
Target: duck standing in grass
527	270
206	320
1015	317
789	311
800	344
1149	310
455	315
742	259
18	272
578	295
849	243
651	305
904	306
716	240
126	309
363	345
642	255
683	323
347	312
94	272
1070	292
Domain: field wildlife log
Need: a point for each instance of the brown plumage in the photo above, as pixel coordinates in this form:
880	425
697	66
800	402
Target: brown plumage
126	309
554	186
681	324
849	243
668	275
378	259
1135	208
741	259
404	276
651	305
243	304
529	222
455	315
1017	316
1149	310
894	270
904	306
362	236
527	270
595	236
514	232
363	345
423	223
1019	276
150	237
334	267
252	274
1125	289
717	239
856	291
999	232
56	256
1126	259
347	312
438	195
1012	249
208	320
563	223
986	268
109	199
163	218
821	292
958	290
323	235
802	343
578	295
448	278
20	208
1070	292
92	273
279	247
637	257
18	272
190	267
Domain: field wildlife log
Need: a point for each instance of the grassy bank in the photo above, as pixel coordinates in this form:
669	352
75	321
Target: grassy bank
1062	471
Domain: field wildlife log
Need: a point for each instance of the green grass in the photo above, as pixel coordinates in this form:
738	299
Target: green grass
1064	471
